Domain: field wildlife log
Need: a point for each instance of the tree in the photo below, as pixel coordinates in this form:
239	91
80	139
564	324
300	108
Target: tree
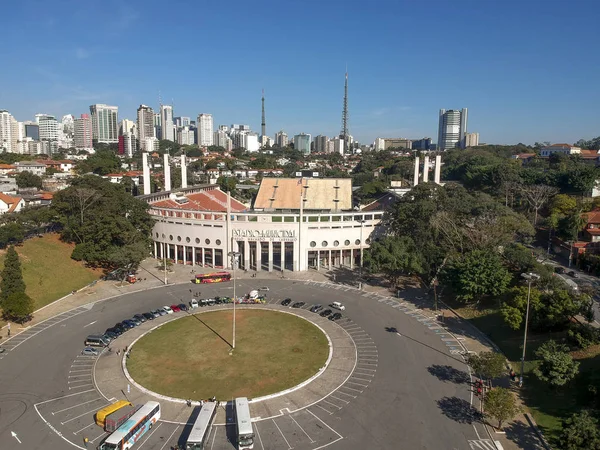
227	184
28	179
393	257
537	195
580	432
102	162
477	274
18	307
488	365
514	308
500	404
557	366
12	276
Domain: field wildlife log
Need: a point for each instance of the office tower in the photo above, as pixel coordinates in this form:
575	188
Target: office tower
281	139
205	130
471	139
302	143
48	128
127	126
128	144
185	136
6	131
182	122
32	130
321	144
166	122
422	144
84	132
452	129
145	125
104	123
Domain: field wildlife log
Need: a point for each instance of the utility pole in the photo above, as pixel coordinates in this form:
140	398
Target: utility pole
234	261
530	277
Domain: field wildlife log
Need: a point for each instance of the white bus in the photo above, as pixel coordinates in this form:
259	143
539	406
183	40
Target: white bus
201	429
132	430
245	434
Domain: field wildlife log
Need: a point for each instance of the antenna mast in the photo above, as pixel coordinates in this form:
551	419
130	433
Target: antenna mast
263	125
344	133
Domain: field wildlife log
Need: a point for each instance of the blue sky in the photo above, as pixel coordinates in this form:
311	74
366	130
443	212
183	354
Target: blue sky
526	69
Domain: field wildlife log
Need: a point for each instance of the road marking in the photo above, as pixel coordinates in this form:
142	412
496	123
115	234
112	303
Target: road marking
311	439
319	419
259	438
328	412
76	406
83	385
286	441
357	384
167	441
64	396
87	426
351	389
98	437
81	415
341	400
332	404
366	368
78	381
150	435
363	379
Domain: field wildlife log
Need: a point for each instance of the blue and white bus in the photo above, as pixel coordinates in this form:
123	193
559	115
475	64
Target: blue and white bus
132	430
245	434
201	428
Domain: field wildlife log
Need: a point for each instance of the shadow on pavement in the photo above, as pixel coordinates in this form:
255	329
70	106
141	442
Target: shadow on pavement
520	433
459	410
430	347
449	374
189	425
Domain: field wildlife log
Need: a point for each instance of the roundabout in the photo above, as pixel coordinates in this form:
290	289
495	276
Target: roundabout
383	388
191	358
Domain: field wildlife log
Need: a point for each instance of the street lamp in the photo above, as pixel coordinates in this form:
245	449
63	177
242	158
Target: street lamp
234	261
362	221
530	277
164	245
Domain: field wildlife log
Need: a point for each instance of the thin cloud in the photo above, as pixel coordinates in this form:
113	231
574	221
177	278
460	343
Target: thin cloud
82	53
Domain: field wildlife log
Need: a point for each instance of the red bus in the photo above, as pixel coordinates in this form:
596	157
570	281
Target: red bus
216	277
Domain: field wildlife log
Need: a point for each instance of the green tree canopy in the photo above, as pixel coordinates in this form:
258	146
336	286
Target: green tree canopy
500	404
18	307
28	179
556	366
393	257
12	276
580	432
102	162
488	365
514	308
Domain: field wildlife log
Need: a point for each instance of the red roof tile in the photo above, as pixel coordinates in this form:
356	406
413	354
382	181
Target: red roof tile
210	200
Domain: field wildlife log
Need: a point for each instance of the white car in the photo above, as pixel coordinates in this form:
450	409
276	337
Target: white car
337	305
167	309
89	351
194	303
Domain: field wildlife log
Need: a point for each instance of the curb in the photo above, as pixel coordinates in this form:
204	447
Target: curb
538	432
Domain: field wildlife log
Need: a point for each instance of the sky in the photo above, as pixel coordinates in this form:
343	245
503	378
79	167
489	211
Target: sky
527	70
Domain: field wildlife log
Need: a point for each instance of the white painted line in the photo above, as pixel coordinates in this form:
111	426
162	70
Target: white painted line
79	381
319	419
363	379
329	403
214	437
58	433
365	369
82	370
87	426
64	396
351	389
311	439
319	406
79	376
357	384
337	398
364	374
286	441
81	415
150	435
97	437
167	441
76	406
79	387
349	395
259	438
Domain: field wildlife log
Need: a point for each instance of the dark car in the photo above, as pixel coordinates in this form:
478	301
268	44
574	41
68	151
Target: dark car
148	316
140	318
183	307
335	316
120	328
135	322
573	274
128	324
298	305
111	334
218	300
316	308
286	302
325	313
559	269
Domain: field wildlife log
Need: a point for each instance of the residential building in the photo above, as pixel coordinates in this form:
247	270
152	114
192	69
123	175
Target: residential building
182	122
471	139
145	125
6	131
48	127
185	136
34	167
151	144
330	146
127	144
281	139
32	130
205	130
221	139
396	143
338	145
66	132
302	143
84	132
452	129
320	144
127	126
10	203
564	149
379	144
105	121
166	123
422	144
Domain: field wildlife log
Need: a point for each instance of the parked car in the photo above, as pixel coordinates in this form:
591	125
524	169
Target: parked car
264	288
573	274
161	312
148	316
337	305
194	303
335	316
2	350
167	309
120	328
298	305
316	308
217	300
175	308
140	317
183	307
286	302
128	324
135	321
111	333
89	351
325	313
559	269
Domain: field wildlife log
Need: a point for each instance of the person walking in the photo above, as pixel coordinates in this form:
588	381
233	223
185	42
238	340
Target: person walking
85	442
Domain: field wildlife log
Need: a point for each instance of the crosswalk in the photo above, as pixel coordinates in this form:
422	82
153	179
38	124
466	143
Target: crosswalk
485	444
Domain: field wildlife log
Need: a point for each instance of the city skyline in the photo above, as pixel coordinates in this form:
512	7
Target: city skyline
519	80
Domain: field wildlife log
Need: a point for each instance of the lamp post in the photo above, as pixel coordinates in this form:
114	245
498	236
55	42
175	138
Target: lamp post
362	221
164	246
530	277
234	261
570	252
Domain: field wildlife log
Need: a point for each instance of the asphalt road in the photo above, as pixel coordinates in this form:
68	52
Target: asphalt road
418	398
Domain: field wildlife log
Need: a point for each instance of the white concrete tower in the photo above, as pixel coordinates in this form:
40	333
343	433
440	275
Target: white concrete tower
426	169
167	171
416	175
183	172
438	169
146	173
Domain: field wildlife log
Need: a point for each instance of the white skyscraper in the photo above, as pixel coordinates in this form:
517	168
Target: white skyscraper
145	125
185	136
83	132
452	129
281	139
48	131
6	131
166	122
105	121
127	126
205	130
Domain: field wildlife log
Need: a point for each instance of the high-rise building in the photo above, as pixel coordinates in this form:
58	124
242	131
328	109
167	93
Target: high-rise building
127	126
471	139
105	121
151	144
166	122
221	139
48	127
281	139
127	144
205	130
145	125
338	145
302	143
6	130
84	132
185	136
182	122
320	144
422	144
452	129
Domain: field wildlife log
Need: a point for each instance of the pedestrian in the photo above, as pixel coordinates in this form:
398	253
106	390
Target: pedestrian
85	442
118	352
126	347
513	375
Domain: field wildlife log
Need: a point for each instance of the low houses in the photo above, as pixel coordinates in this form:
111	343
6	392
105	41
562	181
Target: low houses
565	149
9	203
65	166
5	169
34	167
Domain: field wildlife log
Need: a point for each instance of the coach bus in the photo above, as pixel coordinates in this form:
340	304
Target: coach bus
108	410
245	434
216	277
132	430
201	429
